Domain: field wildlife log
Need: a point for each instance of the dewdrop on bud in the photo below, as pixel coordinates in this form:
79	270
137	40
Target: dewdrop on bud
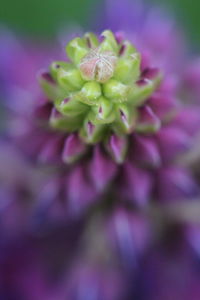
98	65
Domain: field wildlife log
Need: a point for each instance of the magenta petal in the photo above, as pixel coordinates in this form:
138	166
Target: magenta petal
148	121
102	169
137	184
172	141
73	148
146	151
117	146
80	191
176	183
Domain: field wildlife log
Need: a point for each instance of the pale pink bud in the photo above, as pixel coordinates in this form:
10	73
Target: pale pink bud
98	65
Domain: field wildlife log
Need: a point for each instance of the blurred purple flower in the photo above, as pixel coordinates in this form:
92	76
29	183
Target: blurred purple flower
91	222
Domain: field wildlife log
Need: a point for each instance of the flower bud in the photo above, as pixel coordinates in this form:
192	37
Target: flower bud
64	123
76	50
89	93
70	107
70	79
103	113
115	90
48	85
91	133
98	65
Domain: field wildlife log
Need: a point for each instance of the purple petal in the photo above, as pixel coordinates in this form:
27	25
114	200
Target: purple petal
117	146
172	141
129	235
80	191
146	151
175	183
137	184
189	120
73	148
148	121
51	150
102	169
163	105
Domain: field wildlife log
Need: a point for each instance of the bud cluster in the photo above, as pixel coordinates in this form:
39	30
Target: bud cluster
101	89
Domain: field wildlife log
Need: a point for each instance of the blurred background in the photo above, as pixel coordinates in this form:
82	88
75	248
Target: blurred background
43	19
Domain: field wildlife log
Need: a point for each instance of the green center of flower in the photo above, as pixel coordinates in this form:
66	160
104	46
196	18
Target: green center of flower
99	89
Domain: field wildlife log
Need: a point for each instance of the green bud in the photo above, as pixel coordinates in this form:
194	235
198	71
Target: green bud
126	120
103	112
141	91
128	50
109	43
91	39
63	123
71	107
128	70
91	133
89	93
49	86
116	90
55	68
70	79
76	50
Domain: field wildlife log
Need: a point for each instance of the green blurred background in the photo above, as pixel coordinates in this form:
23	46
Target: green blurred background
44	17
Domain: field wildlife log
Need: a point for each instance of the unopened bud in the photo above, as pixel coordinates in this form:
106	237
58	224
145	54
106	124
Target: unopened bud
97	65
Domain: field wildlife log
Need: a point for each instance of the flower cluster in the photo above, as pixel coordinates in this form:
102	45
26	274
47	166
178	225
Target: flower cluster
104	198
108	134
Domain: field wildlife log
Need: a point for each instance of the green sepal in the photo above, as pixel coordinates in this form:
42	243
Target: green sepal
76	50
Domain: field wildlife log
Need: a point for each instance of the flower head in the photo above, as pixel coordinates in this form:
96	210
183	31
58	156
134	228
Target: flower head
101	89
110	124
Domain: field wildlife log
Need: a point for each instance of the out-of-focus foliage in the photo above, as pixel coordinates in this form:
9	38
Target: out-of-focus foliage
45	17
187	13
